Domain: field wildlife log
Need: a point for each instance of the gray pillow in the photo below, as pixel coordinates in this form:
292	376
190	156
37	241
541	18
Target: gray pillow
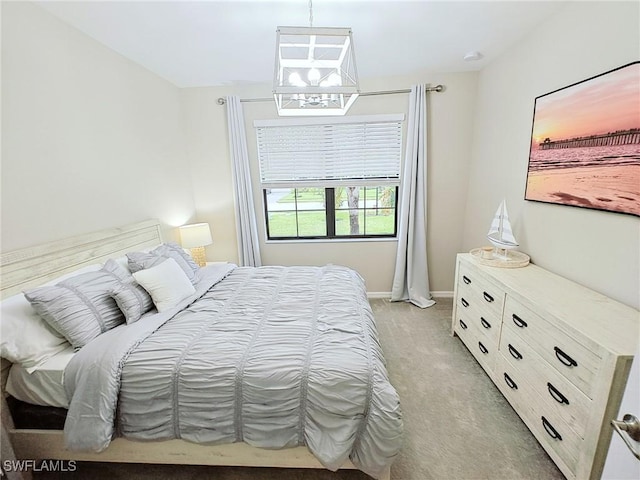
140	261
81	307
133	300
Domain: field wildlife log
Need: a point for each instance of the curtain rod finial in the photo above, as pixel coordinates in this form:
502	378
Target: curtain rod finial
221	101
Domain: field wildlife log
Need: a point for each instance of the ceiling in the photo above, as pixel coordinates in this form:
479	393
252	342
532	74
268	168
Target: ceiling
209	43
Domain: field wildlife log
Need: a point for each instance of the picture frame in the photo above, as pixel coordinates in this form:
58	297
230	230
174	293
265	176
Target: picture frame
585	144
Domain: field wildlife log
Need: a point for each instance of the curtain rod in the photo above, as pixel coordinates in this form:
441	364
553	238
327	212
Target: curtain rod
437	88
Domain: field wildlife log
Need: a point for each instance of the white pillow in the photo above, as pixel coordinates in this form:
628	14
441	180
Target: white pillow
25	338
167	284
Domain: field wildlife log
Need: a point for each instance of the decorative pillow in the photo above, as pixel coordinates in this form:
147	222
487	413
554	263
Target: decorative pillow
141	260
81	307
174	250
133	300
166	283
123	261
25	338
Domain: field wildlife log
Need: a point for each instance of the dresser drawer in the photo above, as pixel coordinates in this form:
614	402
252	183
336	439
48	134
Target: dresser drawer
569	357
479	286
556	392
487	322
478	344
547	427
481	292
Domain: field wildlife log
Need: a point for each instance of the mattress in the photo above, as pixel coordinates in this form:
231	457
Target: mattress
44	386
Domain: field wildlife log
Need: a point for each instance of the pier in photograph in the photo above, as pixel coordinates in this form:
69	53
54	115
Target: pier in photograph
621	137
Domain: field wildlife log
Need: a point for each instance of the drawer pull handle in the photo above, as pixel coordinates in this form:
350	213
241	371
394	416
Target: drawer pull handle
557	396
483	349
510	382
553	433
564	358
466	279
462	324
484	323
518	321
487	297
515	353
465	304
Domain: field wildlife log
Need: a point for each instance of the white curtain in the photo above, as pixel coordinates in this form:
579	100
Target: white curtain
411	279
248	246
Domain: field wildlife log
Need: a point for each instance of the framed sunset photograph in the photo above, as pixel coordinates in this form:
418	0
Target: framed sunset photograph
585	144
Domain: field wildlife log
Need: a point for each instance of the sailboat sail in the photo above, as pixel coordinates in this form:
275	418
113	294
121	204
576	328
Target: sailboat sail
500	233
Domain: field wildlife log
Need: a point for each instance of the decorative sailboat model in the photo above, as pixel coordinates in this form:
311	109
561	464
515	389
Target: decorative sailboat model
500	234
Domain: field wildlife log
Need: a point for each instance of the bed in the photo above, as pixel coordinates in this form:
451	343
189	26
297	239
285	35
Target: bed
254	367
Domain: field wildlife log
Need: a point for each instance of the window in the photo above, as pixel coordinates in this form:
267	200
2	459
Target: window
331	181
338	212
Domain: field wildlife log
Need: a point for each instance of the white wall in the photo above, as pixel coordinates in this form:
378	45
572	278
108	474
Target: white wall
90	140
597	249
99	141
450	125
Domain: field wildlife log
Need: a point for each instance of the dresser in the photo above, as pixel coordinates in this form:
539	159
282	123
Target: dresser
560	353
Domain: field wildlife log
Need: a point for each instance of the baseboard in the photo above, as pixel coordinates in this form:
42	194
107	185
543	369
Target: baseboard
443	294
379	295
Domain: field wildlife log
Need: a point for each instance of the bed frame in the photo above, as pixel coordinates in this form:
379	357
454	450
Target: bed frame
28	267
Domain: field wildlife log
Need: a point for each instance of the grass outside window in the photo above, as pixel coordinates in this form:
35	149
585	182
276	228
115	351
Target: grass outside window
340	212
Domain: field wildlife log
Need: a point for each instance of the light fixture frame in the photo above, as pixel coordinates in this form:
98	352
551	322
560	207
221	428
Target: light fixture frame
315	100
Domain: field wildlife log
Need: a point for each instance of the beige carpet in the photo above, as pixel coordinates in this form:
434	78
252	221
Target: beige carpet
457	424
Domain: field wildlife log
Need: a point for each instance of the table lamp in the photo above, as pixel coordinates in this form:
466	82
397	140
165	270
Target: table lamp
195	237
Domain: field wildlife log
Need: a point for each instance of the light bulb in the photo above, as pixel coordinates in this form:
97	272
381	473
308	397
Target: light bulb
313	75
294	79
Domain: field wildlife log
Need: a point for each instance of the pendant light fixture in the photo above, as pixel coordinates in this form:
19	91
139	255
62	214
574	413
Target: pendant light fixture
315	72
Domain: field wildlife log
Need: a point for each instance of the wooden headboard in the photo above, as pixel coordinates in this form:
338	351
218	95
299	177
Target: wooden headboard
32	266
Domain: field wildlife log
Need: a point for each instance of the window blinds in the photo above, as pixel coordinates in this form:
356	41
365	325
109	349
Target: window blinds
367	149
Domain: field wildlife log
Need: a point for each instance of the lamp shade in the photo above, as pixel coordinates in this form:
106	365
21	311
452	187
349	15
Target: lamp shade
196	235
